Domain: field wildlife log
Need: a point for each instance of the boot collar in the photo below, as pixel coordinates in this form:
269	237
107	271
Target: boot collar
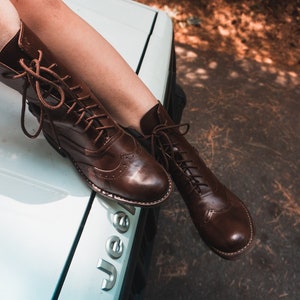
150	120
10	54
23	45
157	115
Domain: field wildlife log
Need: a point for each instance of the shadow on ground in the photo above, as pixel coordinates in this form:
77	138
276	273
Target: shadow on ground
244	119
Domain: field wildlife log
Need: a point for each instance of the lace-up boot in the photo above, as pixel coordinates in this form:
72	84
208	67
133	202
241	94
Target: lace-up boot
221	219
74	122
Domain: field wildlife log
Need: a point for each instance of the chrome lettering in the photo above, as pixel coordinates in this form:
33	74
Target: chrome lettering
106	267
114	247
121	222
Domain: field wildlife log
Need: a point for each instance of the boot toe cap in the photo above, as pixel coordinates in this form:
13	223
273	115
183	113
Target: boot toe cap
233	233
150	184
137	184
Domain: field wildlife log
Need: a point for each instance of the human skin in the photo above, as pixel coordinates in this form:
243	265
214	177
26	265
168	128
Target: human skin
74	42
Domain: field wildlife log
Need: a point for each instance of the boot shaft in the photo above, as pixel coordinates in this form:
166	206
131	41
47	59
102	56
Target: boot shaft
76	124
27	66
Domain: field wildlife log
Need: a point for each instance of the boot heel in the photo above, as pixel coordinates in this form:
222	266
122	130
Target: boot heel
58	149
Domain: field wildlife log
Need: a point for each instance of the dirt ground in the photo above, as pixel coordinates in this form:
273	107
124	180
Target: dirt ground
239	65
263	30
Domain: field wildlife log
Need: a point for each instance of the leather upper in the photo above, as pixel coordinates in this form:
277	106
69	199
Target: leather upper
221	218
77	125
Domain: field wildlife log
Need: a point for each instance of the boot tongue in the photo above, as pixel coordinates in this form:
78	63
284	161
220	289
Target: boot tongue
150	120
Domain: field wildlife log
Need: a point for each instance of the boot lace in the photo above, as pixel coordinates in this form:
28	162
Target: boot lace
38	77
168	150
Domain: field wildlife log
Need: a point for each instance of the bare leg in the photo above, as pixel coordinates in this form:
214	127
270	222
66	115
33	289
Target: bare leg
72	120
9	22
123	94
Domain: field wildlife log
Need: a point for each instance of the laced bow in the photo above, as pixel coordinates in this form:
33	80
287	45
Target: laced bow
34	74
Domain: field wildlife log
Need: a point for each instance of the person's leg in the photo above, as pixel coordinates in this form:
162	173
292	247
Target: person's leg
9	22
89	56
75	122
220	217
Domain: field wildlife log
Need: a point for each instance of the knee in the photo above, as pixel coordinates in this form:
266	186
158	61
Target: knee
38	13
36	7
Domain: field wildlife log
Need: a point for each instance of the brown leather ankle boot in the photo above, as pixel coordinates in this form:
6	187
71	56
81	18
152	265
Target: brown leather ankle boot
221	219
75	123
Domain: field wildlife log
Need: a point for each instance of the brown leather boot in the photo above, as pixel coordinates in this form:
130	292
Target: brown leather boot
74	122
221	219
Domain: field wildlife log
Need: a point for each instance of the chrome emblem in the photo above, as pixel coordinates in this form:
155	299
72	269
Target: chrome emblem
110	270
121	222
